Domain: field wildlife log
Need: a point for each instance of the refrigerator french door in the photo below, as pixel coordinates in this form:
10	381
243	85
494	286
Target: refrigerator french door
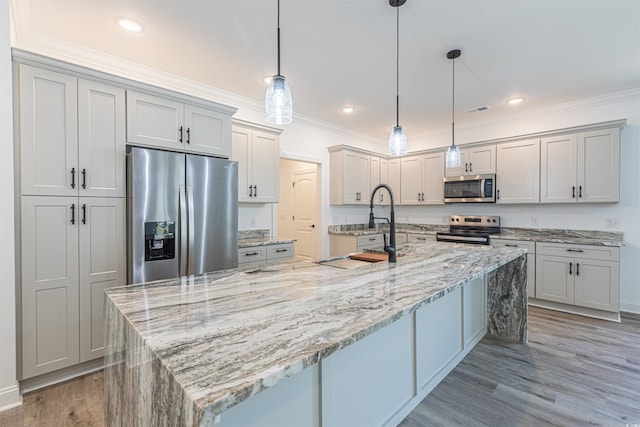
182	214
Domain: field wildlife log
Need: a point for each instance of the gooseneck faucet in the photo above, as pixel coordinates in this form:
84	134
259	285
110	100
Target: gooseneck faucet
391	247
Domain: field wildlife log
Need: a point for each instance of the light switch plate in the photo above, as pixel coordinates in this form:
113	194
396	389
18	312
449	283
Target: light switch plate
612	223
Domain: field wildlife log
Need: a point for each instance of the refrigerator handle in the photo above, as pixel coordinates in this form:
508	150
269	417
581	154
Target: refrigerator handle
191	227
182	221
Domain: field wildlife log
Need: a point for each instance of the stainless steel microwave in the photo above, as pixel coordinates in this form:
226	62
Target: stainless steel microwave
470	189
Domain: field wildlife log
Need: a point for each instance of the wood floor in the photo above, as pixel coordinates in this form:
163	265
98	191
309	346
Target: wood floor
575	371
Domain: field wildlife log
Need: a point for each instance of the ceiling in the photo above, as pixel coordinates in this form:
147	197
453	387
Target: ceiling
337	53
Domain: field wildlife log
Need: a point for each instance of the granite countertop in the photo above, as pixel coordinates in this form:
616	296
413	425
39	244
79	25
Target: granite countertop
228	335
259	237
576	237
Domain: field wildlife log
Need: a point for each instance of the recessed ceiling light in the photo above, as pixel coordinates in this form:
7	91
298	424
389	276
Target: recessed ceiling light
348	109
130	25
514	101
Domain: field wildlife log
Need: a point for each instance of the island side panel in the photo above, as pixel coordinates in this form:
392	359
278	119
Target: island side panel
507	300
138	389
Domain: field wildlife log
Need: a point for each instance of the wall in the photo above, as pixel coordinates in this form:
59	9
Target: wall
588	217
9	395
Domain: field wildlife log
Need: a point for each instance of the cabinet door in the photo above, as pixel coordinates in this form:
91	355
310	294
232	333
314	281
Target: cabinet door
481	160
518	172
207	131
411	179
599	166
266	168
460	170
383	178
553	281
558	169
363	179
597	284
49	256
393	179
432	179
374	177
101	134
240	152
48	133
155	121
102	266
350	178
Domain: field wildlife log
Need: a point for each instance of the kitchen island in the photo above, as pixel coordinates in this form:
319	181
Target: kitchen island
306	343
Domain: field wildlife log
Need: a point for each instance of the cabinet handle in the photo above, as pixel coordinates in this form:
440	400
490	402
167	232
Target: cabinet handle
422	196
252	253
466	167
282	250
570	268
577	268
84	179
575	250
73	177
573	192
381	197
251	191
84	213
511	246
180	133
421	238
73	213
470	167
580	191
255	191
188	135
498	195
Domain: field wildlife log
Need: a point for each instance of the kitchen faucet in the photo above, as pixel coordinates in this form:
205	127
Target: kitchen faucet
391	247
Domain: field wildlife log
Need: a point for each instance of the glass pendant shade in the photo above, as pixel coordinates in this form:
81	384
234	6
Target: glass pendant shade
277	103
397	142
453	157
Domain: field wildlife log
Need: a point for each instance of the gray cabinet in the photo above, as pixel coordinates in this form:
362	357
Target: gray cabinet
265	254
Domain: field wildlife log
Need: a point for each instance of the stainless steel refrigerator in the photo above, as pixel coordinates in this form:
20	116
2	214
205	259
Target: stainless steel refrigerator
182	214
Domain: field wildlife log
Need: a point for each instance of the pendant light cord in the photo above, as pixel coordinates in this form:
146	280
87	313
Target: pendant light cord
278	37
397	65
453	102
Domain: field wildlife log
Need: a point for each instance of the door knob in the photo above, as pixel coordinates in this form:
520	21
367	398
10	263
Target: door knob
312	226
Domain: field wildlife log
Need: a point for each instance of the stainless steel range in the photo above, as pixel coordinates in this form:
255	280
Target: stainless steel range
470	229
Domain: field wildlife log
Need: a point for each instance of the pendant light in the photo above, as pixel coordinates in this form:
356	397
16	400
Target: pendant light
453	154
278	107
397	139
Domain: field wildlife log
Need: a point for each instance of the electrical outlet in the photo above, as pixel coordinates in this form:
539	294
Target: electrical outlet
612	223
534	221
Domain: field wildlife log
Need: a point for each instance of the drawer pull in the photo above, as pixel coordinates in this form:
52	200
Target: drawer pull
421	238
511	246
575	250
372	239
282	250
252	253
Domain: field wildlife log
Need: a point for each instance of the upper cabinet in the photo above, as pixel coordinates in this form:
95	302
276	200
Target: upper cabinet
518	172
72	135
475	161
421	178
582	167
174	125
350	175
390	175
257	151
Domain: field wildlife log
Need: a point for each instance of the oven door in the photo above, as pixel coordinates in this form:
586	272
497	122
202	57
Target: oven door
470	189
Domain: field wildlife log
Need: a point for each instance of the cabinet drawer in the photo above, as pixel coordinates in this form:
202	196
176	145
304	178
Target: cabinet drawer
420	238
280	251
370	240
604	253
529	245
255	253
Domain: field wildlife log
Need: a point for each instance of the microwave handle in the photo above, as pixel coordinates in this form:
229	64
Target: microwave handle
482	185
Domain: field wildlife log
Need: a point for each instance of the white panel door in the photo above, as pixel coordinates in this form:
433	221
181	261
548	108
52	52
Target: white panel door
207	131
411	180
599	166
432	179
240	152
48	133
155	121
305	208
558	169
518	172
555	278
265	163
481	160
49	256
102	139
102	266
597	284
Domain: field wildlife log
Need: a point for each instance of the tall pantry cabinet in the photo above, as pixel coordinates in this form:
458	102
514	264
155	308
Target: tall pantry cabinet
71	146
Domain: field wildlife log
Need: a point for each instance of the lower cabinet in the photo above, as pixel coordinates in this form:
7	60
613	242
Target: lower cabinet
264	254
580	275
71	250
530	246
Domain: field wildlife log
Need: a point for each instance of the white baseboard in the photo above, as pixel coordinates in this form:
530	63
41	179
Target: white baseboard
630	307
10	397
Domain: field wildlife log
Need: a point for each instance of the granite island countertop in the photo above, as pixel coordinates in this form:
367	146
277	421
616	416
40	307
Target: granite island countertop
222	337
575	237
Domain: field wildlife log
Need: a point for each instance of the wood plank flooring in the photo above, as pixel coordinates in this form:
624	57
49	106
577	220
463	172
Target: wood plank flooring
575	371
